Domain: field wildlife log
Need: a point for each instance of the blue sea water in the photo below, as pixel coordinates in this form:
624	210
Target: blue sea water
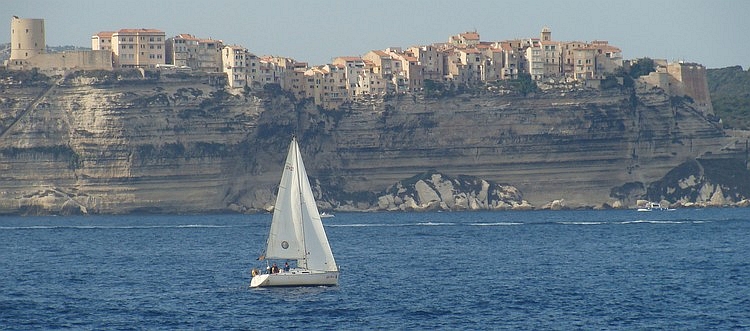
684	269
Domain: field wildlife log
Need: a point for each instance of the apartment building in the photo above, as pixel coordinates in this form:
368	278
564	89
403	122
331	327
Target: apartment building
609	57
355	67
466	39
552	58
465	65
412	71
432	61
328	85
181	50
535	59
186	50
493	63
370	82
584	64
102	41
235	63
138	48
295	81
384	66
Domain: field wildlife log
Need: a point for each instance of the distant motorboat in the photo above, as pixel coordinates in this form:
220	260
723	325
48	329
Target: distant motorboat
654	206
326	215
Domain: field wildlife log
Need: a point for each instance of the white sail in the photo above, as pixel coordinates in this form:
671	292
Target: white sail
319	252
285	239
296	230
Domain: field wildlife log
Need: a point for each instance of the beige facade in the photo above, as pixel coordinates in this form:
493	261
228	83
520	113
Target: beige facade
185	50
510	60
568	49
431	60
682	79
466	39
609	58
329	85
102	41
384	66
181	50
69	60
370	82
355	67
584	63
295	81
552	58
28	51
138	48
235	63
535	59
467	63
27	37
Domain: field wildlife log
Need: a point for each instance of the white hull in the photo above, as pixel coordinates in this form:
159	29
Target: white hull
297	277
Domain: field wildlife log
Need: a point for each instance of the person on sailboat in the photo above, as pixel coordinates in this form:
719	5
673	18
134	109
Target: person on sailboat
275	269
286	266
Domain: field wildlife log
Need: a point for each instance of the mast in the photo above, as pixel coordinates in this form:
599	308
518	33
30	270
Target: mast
302	201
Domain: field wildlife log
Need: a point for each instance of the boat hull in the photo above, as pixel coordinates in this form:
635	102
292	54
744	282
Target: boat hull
296	278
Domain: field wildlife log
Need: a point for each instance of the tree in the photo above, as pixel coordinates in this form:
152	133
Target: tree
642	67
525	84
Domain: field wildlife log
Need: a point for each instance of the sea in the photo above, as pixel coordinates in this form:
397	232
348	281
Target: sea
687	269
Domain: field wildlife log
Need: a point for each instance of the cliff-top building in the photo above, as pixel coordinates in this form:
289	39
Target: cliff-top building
185	50
138	48
28	50
26	38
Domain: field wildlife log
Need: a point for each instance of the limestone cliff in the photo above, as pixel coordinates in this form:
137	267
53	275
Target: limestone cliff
123	142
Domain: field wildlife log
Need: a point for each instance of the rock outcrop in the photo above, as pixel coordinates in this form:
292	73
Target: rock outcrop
436	191
703	183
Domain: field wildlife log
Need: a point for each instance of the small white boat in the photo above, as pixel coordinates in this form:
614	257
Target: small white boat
652	206
296	233
326	215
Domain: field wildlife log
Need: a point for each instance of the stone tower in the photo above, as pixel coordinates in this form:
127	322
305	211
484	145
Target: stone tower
546	34
26	38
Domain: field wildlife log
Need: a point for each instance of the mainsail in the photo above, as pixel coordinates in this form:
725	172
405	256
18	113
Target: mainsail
296	229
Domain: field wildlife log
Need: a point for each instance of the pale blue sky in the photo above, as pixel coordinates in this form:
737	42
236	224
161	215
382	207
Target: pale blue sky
713	33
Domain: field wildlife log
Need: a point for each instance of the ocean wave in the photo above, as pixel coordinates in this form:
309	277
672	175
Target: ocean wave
654	222
580	223
496	224
435	223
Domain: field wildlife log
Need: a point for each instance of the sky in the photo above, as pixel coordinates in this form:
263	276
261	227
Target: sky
712	33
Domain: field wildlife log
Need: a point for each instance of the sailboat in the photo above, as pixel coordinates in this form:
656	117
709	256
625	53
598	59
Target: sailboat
297	233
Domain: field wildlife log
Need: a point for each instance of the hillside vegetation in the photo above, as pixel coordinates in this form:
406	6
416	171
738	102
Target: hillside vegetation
730	95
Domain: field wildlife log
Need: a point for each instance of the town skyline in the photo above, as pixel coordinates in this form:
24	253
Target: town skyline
317	33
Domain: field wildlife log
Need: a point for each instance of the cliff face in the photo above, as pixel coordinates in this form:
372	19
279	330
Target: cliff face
101	143
573	145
